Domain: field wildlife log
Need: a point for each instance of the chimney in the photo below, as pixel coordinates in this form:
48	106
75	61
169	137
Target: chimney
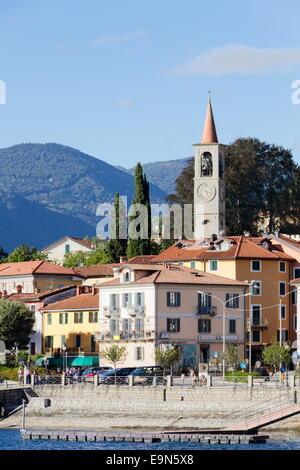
78	290
123	259
94	290
19	289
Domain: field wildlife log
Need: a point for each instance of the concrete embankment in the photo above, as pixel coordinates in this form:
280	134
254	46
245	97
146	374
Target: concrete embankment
147	408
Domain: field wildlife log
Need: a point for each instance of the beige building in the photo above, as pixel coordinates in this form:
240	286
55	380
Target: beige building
58	249
145	307
35	276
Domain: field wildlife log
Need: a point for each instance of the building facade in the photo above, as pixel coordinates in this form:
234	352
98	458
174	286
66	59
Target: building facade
148	307
57	250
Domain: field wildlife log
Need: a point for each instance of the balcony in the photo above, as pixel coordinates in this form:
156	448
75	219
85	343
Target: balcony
261	325
111	311
210	310
211	338
134	311
126	335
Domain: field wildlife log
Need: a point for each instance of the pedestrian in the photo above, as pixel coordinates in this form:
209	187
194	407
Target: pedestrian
27	376
48	376
20	375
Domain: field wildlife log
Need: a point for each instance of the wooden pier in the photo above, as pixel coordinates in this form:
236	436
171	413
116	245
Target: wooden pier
212	437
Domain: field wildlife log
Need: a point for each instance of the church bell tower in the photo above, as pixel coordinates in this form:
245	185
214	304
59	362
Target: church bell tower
209	186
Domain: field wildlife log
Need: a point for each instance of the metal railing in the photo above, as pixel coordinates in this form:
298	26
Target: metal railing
261	412
207	310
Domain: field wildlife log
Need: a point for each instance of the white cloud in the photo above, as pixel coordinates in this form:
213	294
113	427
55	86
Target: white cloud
114	38
123	102
241	59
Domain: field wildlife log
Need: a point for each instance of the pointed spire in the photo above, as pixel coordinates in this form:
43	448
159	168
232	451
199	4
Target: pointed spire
209	135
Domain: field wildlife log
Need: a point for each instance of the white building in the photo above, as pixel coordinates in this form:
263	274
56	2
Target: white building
57	250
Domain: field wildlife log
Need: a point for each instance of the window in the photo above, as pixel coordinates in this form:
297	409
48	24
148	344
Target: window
213	265
126	325
139	353
173	299
114	328
204	303
139	327
255	265
180	264
127	276
93	343
173	325
67	249
114	301
282	288
49	342
281	266
78	317
63	318
139	299
93	317
204	326
193	264
283	312
295	322
256	336
294	297
32	308
232	300
256	312
296	273
284	335
78	341
232	326
62	340
256	287
49	318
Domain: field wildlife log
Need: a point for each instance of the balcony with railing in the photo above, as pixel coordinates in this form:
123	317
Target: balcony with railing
261	324
110	311
138	310
126	335
210	310
211	338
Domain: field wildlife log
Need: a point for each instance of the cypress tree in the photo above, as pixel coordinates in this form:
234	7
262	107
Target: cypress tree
140	246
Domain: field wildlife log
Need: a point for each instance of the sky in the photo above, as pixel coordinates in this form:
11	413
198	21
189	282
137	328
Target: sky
128	81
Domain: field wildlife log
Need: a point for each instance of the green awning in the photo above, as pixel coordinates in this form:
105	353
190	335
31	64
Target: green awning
54	361
85	361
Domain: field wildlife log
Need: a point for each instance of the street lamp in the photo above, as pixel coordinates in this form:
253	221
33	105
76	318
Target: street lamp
64	348
224	321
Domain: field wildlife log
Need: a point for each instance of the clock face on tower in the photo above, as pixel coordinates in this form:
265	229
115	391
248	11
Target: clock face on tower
206	192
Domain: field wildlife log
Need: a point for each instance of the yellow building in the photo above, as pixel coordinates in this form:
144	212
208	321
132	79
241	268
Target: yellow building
256	261
72	323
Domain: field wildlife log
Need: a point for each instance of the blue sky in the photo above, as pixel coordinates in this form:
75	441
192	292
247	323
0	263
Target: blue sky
127	81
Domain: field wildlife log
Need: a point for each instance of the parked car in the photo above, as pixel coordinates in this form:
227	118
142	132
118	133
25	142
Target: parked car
263	371
144	375
108	376
91	371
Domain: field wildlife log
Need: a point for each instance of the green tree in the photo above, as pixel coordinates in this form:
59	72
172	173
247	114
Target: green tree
113	354
16	322
25	253
231	356
166	358
140	246
99	255
77	258
116	247
276	354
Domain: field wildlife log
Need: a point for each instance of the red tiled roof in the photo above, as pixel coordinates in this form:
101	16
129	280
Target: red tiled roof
295	281
141	259
82	241
33	267
35	296
242	248
96	270
174	274
80	302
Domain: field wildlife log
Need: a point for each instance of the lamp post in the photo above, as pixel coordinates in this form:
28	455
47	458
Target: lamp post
64	348
224	321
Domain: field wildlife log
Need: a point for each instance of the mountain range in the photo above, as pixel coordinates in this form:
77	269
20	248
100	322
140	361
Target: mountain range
51	190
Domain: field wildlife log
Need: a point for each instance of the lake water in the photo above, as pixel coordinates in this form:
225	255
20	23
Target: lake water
11	440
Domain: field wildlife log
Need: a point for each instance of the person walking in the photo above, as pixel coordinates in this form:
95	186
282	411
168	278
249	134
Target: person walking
27	376
20	375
